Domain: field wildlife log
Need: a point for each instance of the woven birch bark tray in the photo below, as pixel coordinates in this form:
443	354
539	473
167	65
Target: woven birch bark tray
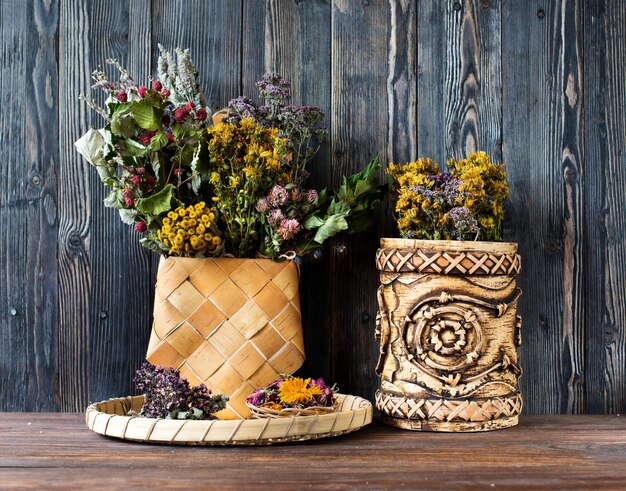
110	418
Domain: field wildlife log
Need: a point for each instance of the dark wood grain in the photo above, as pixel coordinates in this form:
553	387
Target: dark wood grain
119	308
39	174
74	190
542	150
539	86
605	210
14	207
56	451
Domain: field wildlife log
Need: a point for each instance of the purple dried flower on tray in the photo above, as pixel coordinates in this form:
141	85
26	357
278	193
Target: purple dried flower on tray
169	396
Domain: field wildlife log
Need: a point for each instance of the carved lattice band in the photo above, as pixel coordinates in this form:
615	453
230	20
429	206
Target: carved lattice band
393	260
449	410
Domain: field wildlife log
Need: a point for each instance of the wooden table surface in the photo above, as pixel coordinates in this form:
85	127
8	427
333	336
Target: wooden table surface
46	451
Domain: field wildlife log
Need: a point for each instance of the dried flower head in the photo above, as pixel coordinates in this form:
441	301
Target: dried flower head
168	395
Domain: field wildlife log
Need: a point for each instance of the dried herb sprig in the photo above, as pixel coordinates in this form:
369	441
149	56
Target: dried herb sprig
169	396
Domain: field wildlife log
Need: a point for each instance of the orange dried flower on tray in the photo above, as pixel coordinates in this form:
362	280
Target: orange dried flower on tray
294	393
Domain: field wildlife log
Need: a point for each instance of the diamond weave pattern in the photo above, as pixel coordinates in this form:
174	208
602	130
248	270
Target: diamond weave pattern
233	324
464	410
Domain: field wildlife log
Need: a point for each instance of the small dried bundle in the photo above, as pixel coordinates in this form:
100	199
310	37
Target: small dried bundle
169	396
292	396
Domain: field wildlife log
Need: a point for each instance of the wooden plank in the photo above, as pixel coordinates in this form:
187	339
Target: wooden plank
293	39
459	83
120	294
605	195
542	150
365	40
15	208
74	191
41	144
564	452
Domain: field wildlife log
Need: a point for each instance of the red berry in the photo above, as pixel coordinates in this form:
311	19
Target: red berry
136	179
140	170
190	106
177	171
140	227
145	138
201	114
121	96
179	115
129	201
156	85
150	180
165	93
142	91
170	137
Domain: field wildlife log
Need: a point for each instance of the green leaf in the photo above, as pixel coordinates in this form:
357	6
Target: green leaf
127	216
134	148
332	226
146	115
339	208
158	203
313	222
118	109
153	244
112	200
123	125
158	141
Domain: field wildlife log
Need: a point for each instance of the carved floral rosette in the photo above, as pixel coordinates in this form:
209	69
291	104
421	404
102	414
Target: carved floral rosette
448	331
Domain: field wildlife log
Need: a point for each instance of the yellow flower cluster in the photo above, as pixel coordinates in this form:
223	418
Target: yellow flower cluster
465	203
412	173
486	187
415	212
245	160
190	231
248	144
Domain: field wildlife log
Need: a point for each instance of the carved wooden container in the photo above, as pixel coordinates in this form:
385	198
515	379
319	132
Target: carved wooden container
448	331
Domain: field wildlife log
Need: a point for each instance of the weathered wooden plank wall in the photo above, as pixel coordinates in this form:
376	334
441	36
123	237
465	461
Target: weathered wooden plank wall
540	87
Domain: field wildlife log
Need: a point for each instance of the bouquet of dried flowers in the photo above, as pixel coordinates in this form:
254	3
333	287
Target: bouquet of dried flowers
293	394
169	396
464	203
236	187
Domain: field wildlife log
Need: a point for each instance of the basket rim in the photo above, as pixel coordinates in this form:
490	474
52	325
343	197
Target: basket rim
449	245
104	421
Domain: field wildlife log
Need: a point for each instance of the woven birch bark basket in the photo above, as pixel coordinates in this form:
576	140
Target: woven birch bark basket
233	324
448	331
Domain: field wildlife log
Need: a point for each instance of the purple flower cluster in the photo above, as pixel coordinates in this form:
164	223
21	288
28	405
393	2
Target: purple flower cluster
300	125
168	395
445	190
463	223
274	88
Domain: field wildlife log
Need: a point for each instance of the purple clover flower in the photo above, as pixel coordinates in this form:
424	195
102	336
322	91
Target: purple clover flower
263	205
288	228
275	216
278	196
